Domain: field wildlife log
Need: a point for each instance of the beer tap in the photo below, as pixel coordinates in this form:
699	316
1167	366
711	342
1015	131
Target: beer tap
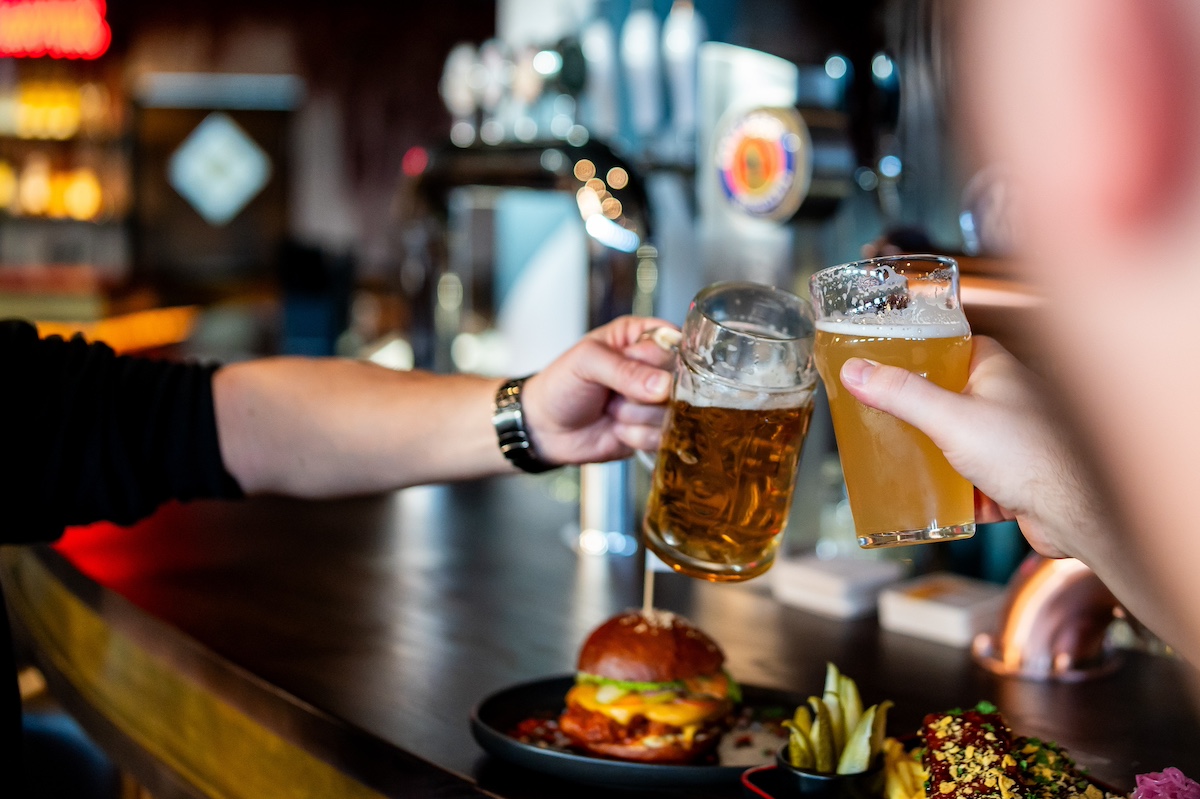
613	206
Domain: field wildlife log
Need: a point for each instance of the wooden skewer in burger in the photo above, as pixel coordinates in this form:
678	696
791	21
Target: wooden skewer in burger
650	687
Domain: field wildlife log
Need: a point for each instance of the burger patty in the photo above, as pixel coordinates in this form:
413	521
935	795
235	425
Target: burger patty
588	726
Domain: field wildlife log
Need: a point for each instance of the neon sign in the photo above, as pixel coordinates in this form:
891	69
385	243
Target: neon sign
55	28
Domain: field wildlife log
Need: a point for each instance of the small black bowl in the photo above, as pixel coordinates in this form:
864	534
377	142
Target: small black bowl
813	785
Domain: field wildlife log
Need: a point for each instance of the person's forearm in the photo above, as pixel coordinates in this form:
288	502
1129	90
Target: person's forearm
1078	514
1118	564
328	427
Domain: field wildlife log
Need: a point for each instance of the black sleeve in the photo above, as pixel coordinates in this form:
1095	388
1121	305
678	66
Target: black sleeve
86	435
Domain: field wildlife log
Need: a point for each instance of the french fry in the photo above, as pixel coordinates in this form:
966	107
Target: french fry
914	776
906	781
919	777
895	785
904	776
856	757
895	761
908	775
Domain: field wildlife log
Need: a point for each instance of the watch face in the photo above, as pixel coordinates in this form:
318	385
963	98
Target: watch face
763	162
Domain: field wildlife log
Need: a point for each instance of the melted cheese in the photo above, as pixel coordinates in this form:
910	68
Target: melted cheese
679	713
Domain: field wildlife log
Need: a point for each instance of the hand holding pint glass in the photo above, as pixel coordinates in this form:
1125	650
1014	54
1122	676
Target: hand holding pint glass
740	406
901	311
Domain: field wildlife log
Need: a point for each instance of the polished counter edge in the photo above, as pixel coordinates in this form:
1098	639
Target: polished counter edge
212	746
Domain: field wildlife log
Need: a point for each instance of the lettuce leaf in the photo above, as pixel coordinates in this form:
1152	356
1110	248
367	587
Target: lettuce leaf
735	690
628	685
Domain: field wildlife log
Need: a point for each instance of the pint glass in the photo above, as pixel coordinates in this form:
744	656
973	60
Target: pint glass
902	311
740	406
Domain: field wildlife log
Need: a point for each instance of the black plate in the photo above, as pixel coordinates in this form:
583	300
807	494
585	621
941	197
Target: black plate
503	710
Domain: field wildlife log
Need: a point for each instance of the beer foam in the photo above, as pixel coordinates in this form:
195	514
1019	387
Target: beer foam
712	395
883	327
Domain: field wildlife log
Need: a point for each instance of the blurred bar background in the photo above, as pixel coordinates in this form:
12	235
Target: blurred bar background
470	186
465	185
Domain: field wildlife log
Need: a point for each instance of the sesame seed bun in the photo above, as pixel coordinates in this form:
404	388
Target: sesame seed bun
655	647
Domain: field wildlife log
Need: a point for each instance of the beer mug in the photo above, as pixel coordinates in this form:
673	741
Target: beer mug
740	405
902	311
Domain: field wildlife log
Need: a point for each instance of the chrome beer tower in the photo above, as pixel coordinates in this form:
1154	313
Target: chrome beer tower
621	266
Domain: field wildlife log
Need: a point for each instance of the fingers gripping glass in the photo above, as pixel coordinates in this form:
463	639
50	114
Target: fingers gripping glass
902	311
740	404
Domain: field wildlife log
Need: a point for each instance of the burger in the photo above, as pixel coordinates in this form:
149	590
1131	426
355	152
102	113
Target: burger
651	688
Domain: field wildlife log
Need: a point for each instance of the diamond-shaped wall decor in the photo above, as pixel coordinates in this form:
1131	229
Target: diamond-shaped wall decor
218	169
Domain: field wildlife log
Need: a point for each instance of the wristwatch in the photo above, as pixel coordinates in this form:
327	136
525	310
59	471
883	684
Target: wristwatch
509	420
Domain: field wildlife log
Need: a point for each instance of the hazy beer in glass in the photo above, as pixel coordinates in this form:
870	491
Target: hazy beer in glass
902	311
740	407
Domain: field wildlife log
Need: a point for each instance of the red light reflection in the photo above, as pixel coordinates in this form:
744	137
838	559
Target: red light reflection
115	556
415	161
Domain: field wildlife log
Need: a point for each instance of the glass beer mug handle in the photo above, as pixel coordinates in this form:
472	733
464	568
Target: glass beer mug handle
667	339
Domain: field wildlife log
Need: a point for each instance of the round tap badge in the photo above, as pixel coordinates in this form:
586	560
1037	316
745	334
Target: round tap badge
763	162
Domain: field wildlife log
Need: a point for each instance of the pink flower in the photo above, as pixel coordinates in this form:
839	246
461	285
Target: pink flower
1170	783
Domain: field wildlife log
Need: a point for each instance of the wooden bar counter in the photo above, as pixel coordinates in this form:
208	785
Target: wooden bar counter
277	648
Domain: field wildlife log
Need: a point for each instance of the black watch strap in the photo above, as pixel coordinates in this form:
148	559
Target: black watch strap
509	420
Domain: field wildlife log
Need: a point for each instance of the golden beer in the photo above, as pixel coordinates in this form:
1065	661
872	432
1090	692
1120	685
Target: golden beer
741	400
901	487
722	487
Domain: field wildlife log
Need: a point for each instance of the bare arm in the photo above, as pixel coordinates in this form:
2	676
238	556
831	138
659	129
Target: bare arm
330	427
